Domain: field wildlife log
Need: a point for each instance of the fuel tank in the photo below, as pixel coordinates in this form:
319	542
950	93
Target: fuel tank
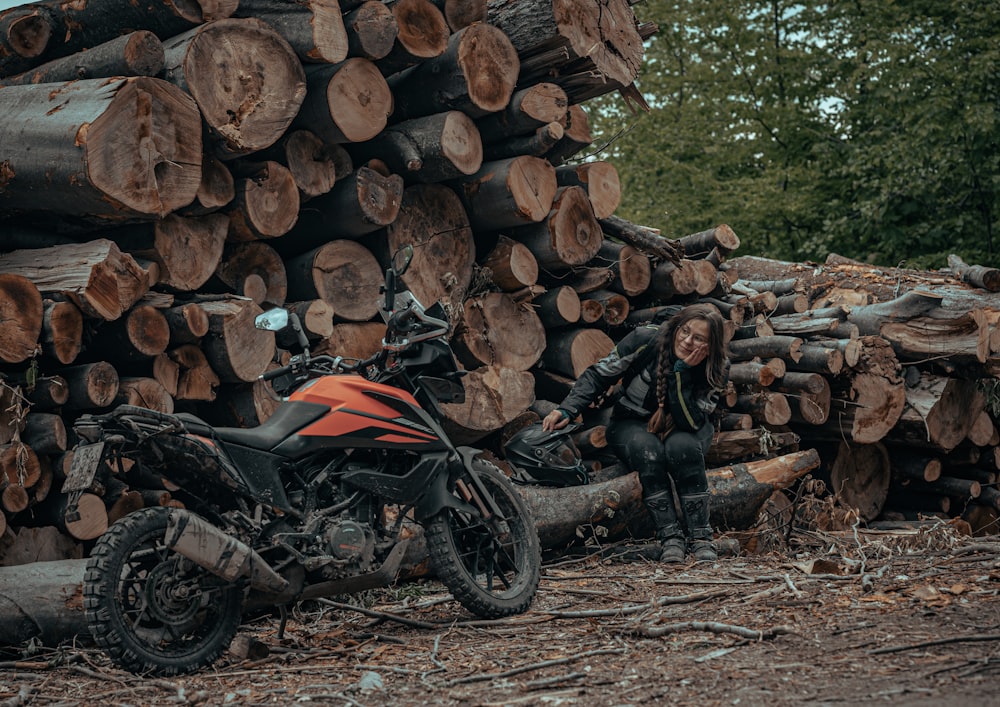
362	414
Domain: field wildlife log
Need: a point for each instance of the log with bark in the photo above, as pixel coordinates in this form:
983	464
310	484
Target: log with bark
108	149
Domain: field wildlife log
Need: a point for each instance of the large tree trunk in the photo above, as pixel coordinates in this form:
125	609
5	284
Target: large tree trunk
509	193
738	493
247	81
493	397
110	149
342	273
431	218
496	331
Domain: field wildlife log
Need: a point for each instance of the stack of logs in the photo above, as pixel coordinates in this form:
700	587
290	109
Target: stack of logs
169	171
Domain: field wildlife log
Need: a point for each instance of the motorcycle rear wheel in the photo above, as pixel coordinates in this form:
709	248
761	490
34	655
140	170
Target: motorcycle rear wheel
150	609
491	566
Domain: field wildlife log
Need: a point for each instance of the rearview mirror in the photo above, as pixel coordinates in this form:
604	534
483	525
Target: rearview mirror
272	320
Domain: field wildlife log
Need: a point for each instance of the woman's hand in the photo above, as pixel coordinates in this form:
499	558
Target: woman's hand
695	355
555	420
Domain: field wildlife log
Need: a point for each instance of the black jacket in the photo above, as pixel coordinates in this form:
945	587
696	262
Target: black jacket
691	399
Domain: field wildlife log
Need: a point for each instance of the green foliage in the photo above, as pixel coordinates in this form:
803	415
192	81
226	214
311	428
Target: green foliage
867	128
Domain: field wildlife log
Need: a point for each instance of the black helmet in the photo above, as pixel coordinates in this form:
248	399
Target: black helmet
545	458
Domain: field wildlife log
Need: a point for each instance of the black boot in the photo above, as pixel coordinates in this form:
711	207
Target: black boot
668	530
699	531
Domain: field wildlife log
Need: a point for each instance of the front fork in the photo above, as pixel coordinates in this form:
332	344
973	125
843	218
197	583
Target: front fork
472	494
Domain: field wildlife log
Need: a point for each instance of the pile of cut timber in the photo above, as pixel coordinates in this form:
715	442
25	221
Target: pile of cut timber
168	171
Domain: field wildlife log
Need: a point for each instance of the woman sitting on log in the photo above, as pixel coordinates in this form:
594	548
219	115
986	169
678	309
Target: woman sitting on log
671	376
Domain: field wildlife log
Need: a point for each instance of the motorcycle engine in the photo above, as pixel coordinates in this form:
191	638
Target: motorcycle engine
350	542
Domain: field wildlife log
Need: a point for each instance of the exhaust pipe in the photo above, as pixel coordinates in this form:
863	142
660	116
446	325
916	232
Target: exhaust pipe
224	556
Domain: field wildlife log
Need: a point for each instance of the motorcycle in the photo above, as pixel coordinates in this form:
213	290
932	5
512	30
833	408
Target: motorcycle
311	503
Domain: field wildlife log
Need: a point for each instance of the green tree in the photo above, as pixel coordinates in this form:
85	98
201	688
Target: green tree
857	126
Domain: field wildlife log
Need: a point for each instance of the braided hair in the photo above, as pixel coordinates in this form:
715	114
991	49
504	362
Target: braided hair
661	422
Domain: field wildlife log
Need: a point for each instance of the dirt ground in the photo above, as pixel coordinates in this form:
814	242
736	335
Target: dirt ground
908	617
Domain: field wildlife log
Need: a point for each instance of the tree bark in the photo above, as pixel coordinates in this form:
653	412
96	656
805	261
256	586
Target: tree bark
246	79
570	351
509	193
599	179
371	30
195	379
558	307
511	265
253	270
976	275
145	393
643	239
311	162
187	249
91	385
104	149
421	34
528	109
134	54
266	204
346	102
434	148
461	13
701	244
569	237
365	201
576	136
313	28
535	144
860	476
939	412
140	333
476	74
603	32
343	273
188	323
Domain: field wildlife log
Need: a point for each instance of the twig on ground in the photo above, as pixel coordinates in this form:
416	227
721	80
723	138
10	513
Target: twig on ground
935	642
379	614
638	608
535	666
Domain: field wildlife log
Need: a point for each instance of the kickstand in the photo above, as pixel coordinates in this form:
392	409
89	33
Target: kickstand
283	611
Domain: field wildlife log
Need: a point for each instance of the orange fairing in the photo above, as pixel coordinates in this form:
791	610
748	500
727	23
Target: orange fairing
356	407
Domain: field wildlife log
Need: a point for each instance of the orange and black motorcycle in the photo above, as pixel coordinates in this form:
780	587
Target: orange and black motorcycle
309	504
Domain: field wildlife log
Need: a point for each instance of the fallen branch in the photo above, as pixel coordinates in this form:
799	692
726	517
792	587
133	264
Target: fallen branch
712	627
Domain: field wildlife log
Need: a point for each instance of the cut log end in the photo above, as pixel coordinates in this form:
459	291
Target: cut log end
490	64
144	151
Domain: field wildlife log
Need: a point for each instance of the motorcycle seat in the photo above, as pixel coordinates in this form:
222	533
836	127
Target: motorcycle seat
286	420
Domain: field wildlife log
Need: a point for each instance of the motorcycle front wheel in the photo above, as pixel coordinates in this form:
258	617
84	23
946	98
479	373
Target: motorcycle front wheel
150	609
491	565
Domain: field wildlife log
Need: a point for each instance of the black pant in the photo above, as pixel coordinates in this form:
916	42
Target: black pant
681	456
